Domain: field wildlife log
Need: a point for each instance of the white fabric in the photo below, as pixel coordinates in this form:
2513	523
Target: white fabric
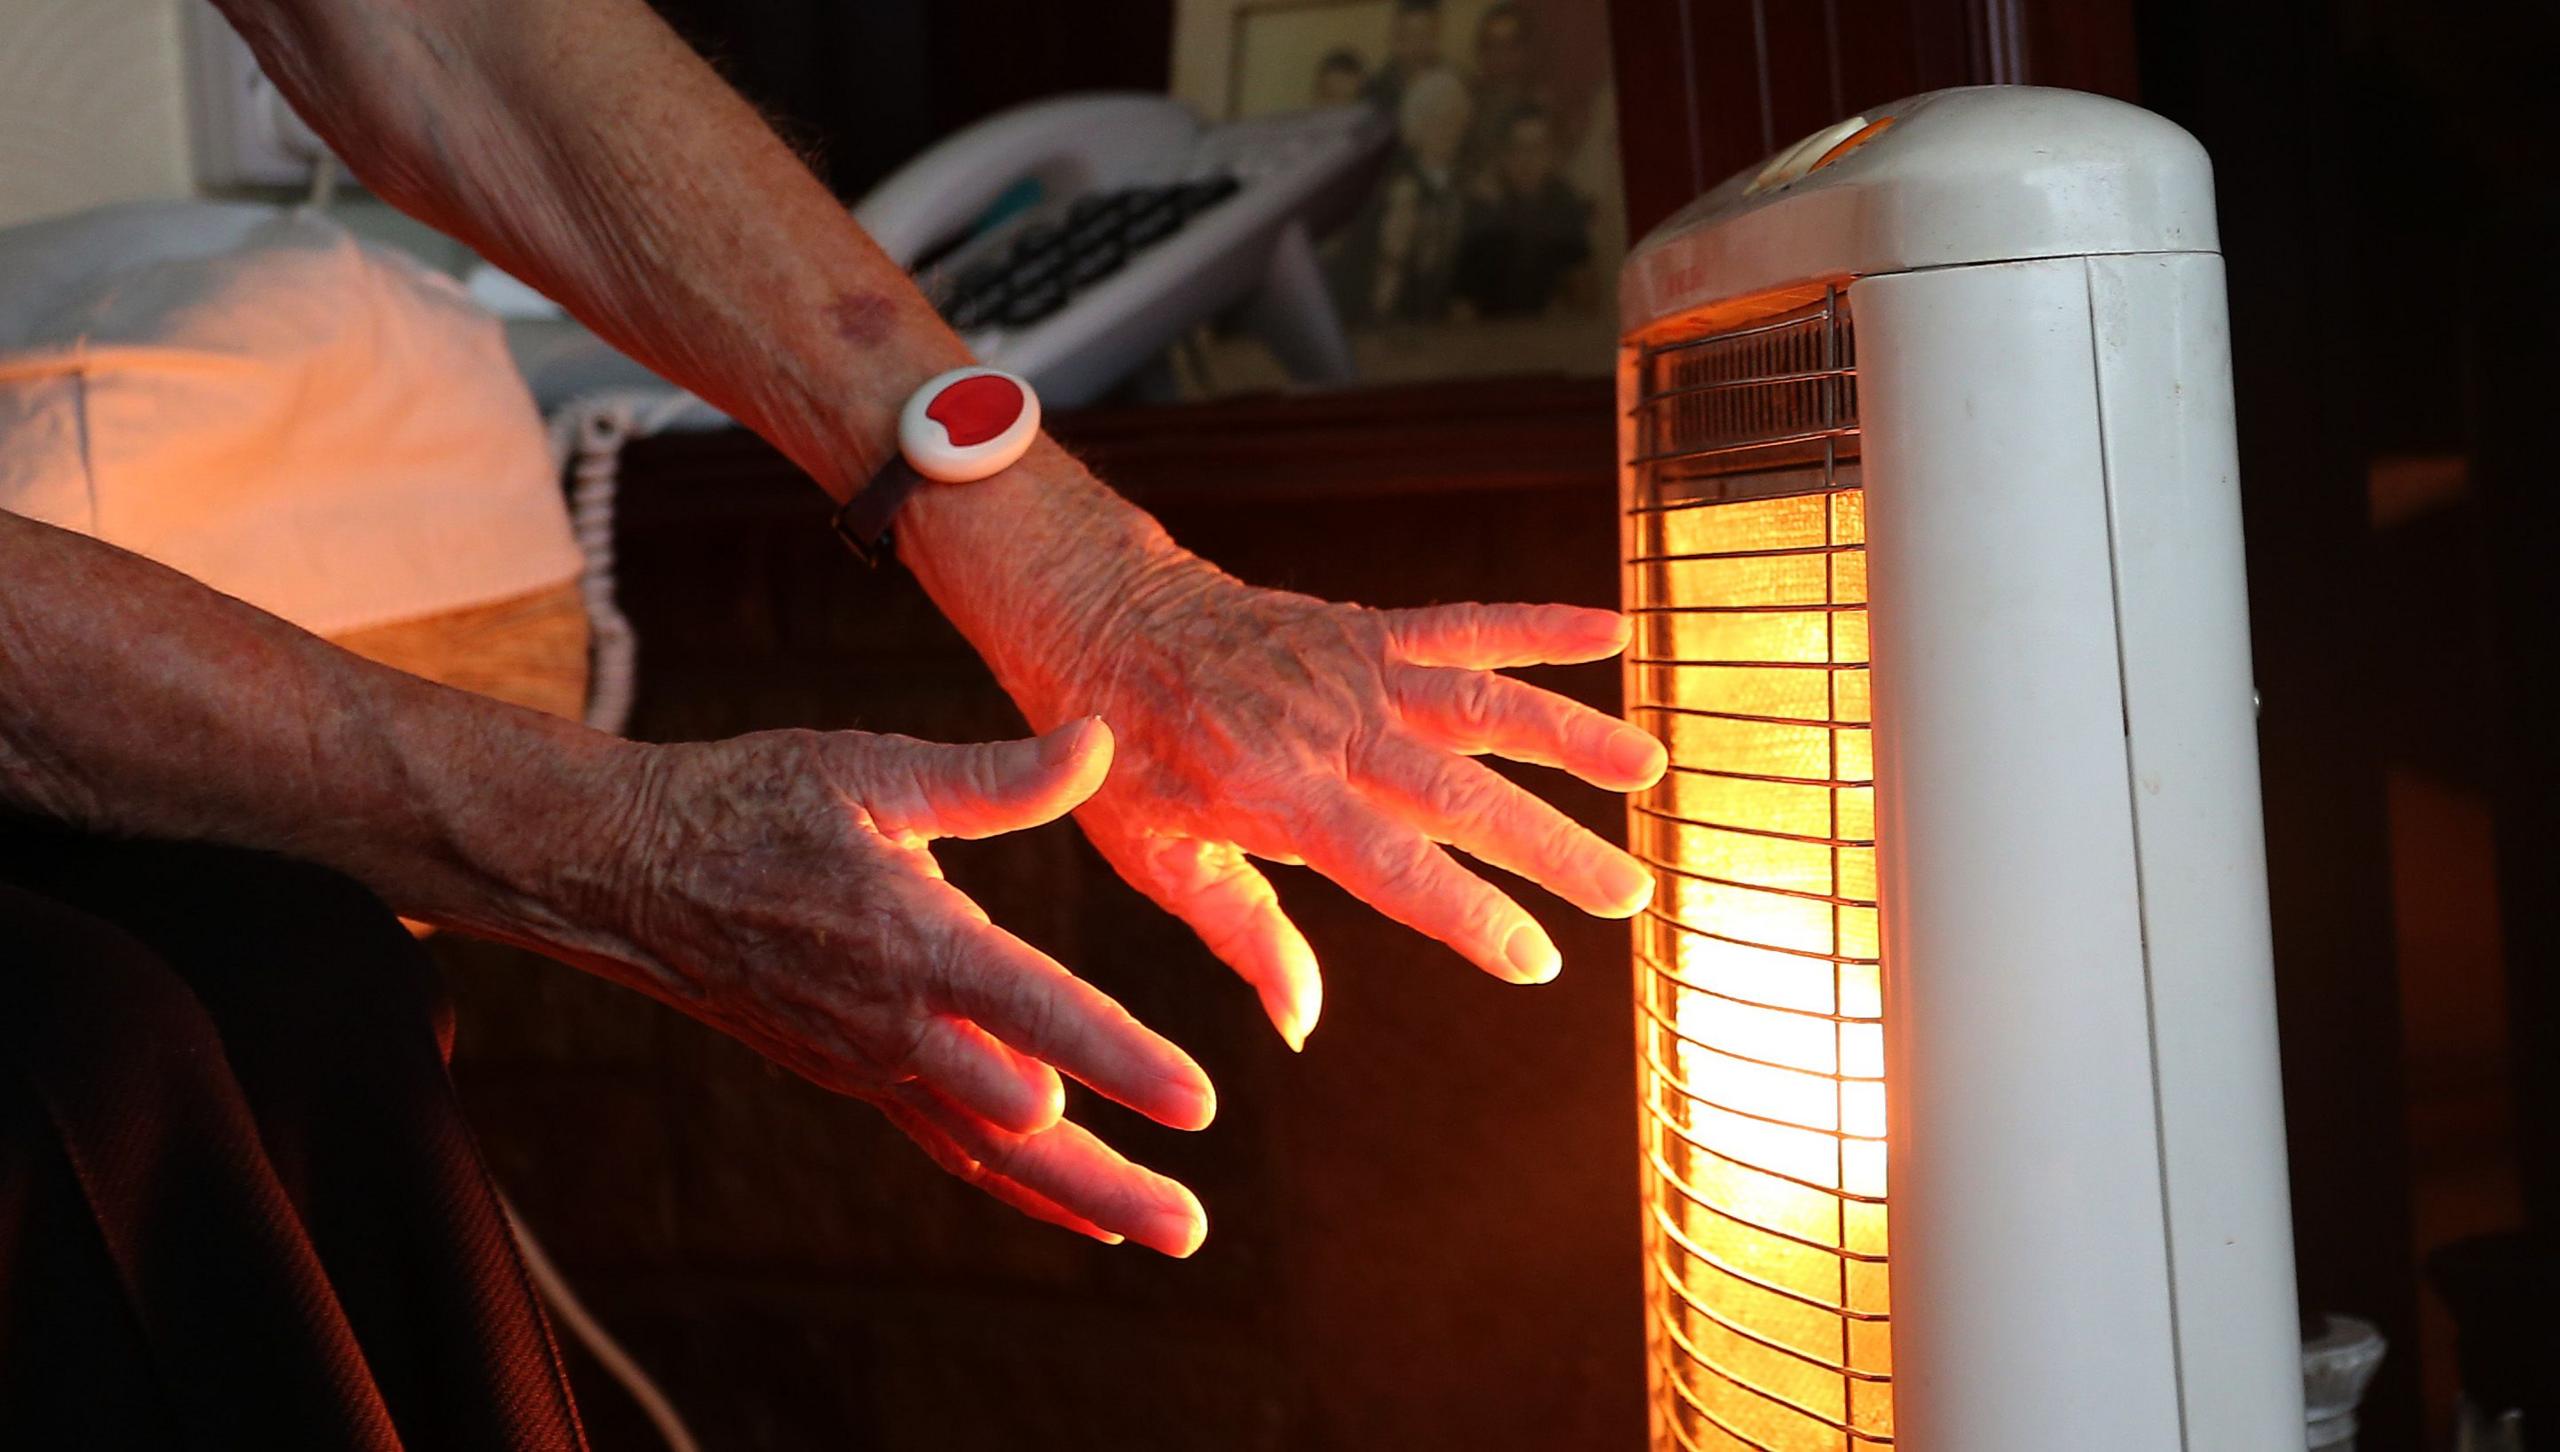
327	430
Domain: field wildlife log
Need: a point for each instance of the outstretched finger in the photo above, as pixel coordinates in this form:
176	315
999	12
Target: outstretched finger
1022	996
1230	904
1067	1166
1475	810
946	1152
979	1073
919	790
1478	712
1386	863
1491	637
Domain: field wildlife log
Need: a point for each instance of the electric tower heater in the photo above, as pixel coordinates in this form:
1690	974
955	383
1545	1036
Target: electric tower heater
1961	1121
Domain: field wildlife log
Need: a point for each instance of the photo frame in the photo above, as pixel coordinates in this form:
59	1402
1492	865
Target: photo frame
1492	236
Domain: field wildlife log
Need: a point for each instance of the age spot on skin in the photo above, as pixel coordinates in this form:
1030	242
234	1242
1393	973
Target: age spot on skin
863	318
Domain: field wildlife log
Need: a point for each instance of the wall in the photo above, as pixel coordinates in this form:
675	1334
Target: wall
93	105
1708	87
93	93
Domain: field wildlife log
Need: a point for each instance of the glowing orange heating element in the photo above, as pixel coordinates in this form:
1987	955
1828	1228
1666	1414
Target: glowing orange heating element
1759	998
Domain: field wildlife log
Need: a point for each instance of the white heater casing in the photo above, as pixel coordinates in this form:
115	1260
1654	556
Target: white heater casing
2091	1243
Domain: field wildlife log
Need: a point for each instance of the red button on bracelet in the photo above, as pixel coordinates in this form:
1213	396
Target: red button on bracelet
977	408
960	427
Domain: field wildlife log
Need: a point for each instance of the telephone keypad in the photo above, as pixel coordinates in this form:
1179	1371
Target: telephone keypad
1048	260
1030	304
1095	263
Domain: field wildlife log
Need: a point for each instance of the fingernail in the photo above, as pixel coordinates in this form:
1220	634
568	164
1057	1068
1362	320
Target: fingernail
1638	759
1628	885
1284	1017
1196	1097
1294	1020
1030	1117
1177	1229
1060	746
1533	958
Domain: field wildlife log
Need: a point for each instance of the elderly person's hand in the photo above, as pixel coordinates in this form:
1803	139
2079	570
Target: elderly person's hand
779	887
1253	723
1257	723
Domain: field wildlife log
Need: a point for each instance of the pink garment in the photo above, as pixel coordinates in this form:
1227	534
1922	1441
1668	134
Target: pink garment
325	429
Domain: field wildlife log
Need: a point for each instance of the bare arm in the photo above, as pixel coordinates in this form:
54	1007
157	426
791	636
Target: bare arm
136	702
776	886
579	144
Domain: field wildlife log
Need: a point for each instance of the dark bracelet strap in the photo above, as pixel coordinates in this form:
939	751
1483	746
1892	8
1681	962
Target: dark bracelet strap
863	521
961	426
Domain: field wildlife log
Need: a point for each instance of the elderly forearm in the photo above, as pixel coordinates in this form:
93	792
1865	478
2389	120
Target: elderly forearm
582	146
135	701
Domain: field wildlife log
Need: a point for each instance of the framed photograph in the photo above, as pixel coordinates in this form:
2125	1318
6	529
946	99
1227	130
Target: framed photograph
1492	239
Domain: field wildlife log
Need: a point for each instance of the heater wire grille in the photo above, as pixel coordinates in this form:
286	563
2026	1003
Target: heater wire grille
1758	979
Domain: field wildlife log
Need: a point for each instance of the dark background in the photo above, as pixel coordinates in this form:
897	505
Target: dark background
1424	1230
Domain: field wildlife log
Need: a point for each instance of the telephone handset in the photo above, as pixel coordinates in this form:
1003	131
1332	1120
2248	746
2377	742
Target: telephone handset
1071	239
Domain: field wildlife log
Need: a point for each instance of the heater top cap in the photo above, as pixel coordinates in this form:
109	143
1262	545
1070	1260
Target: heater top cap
1946	179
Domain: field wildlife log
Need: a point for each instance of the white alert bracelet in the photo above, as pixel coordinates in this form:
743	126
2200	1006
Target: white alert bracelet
959	427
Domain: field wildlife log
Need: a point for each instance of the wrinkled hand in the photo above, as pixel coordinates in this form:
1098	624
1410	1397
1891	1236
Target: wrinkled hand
779	888
1256	723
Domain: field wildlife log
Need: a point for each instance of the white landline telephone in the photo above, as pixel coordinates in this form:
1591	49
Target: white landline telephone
1070	240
